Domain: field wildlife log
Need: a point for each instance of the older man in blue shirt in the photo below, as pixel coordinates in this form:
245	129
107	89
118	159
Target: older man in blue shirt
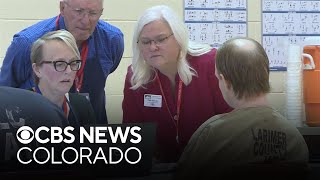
101	46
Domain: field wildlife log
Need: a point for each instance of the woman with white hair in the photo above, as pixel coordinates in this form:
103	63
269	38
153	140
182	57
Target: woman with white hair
171	82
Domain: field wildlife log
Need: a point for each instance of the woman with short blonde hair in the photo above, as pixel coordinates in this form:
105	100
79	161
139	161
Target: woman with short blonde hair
55	61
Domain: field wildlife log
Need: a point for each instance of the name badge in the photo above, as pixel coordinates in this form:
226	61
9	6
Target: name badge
151	100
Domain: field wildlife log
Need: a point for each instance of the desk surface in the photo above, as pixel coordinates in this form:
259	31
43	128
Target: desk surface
309	130
162	171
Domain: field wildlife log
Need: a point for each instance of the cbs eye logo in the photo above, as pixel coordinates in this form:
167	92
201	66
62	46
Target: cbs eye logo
25	134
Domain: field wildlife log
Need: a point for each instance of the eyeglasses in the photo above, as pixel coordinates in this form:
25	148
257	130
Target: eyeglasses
81	12
145	43
61	66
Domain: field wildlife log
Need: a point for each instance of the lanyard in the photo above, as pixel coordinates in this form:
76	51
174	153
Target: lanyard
84	54
64	107
175	118
79	76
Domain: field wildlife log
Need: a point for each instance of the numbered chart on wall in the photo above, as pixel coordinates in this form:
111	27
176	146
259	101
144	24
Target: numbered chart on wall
215	21
287	22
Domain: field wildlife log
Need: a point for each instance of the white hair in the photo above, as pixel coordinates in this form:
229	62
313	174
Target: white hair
68	1
142	72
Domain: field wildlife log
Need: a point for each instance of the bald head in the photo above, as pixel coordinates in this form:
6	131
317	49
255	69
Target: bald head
245	65
244	44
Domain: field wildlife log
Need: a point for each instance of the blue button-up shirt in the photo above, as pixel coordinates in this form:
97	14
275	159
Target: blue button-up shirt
106	44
